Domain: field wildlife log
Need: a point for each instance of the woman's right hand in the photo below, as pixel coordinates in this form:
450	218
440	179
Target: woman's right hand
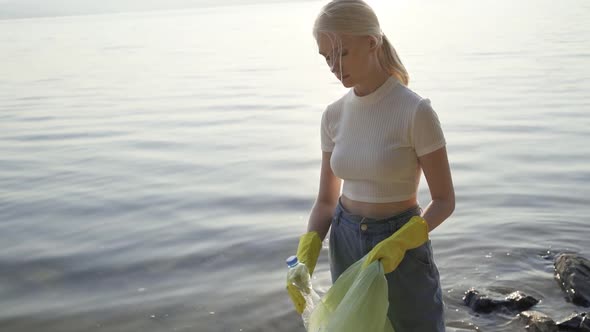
308	252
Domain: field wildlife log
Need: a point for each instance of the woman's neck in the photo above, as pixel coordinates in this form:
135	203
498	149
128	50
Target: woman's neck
372	83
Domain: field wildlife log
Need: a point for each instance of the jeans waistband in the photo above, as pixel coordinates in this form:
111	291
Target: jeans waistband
402	216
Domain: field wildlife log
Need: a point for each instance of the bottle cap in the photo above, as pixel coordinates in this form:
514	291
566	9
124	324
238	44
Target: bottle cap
292	261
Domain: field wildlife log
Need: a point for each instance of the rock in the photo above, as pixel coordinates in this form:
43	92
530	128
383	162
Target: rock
576	322
538	322
516	301
572	272
478	303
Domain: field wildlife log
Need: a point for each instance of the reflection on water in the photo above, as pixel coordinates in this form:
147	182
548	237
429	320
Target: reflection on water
156	169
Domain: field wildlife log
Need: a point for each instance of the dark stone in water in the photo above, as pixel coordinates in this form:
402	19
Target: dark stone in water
538	322
516	301
576	322
478	303
572	272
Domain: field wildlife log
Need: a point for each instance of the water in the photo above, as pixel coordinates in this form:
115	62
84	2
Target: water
156	168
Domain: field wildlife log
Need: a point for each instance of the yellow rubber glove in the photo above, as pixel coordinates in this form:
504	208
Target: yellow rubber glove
391	251
308	252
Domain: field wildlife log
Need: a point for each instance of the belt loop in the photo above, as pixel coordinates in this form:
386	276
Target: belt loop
392	226
396	225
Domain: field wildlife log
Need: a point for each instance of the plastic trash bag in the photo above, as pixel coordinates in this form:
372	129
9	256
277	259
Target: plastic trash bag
358	301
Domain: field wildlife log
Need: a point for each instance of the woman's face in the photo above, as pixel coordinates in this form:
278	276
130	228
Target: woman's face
350	62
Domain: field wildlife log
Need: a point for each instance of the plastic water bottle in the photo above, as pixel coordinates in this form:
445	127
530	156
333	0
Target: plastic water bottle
299	276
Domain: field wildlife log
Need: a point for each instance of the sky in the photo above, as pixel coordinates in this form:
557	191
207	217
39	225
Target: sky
36	8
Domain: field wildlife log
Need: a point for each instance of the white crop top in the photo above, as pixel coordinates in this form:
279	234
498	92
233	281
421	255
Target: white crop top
376	140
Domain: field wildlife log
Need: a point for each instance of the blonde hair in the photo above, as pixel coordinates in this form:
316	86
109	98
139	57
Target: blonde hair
357	18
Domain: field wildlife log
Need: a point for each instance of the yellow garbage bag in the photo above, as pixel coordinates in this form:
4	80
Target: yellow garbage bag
357	301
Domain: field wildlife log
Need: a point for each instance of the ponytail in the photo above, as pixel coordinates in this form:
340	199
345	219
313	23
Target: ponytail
391	62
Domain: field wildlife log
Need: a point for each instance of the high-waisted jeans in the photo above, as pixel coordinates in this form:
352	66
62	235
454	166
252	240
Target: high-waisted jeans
415	296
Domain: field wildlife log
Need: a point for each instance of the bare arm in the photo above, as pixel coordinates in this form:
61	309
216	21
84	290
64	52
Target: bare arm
321	213
435	166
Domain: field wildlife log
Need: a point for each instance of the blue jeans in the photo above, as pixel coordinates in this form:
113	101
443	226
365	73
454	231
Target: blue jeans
415	296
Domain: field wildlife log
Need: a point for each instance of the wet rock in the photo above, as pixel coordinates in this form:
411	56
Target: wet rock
516	301
538	322
478	303
576	322
572	272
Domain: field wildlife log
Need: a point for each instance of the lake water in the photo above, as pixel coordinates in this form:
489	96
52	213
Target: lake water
157	168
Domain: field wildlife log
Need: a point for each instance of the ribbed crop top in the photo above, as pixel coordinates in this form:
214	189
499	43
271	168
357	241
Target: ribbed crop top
376	140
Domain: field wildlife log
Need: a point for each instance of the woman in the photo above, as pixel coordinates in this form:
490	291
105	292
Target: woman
376	140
